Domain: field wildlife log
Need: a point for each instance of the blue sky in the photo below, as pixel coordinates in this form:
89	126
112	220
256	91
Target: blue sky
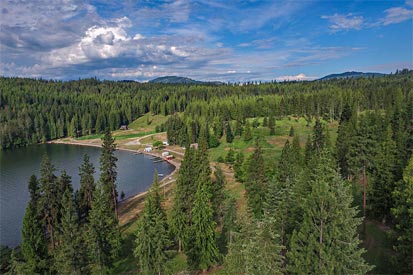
205	40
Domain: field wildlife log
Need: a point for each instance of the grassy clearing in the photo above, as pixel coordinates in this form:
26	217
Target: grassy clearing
147	122
272	145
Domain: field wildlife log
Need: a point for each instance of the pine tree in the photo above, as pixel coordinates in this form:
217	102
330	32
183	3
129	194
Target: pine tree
256	182
403	213
203	252
238	128
152	234
291	134
265	122
34	242
230	157
271	125
87	187
68	254
308	150
239	167
228	132
108	171
229	225
326	242
49	202
103	234
218	195
255	249
183	199
319	138
382	185
247	132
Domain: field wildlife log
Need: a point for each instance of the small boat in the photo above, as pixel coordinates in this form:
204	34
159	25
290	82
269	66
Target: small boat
158	160
160	175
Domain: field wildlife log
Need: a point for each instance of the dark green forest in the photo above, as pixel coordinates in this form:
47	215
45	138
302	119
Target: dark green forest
304	210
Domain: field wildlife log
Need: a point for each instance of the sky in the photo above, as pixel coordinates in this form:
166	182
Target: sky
210	40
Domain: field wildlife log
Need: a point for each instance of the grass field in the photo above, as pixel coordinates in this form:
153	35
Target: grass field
147	122
272	145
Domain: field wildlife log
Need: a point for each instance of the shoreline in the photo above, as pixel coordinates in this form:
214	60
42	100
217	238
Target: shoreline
133	199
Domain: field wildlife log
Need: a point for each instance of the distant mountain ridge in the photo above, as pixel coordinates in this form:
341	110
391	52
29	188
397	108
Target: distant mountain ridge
351	75
181	80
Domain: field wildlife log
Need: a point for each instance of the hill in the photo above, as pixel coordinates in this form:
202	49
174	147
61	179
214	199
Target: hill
180	80
351	75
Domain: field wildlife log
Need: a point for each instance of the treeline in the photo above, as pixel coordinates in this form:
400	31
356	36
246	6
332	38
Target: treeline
393	95
33	111
67	232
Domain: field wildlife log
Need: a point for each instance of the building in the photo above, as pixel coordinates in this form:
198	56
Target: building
164	154
165	142
148	149
124	127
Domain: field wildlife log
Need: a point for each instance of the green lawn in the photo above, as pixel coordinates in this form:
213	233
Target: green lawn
148	122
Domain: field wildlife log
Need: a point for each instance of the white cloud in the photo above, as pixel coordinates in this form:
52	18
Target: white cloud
396	15
299	77
344	22
97	43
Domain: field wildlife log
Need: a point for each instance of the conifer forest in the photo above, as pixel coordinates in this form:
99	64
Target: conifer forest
308	177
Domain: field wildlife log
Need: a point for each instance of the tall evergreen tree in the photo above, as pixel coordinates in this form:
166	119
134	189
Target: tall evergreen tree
382	185
228	133
247	132
87	187
152	234
239	167
103	236
403	213
184	198
70	251
218	195
255	249
108	173
34	243
203	252
256	182
326	242
49	201
271	125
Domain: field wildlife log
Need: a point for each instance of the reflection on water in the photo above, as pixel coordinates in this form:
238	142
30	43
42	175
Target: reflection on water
135	174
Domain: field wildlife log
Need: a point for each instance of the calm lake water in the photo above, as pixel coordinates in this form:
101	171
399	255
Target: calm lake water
135	174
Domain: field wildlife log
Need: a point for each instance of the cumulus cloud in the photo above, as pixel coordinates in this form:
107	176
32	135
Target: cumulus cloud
299	77
344	22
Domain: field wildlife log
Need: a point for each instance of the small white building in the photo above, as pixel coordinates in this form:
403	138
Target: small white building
165	142
148	149
164	154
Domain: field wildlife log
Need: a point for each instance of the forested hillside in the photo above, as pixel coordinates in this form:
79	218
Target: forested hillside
237	206
33	111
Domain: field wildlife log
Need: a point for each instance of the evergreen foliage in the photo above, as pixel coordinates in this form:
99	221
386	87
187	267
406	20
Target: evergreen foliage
103	236
87	187
326	242
403	212
34	242
256	182
228	133
203	252
152	233
108	173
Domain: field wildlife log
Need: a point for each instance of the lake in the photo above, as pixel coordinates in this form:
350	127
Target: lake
135	174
